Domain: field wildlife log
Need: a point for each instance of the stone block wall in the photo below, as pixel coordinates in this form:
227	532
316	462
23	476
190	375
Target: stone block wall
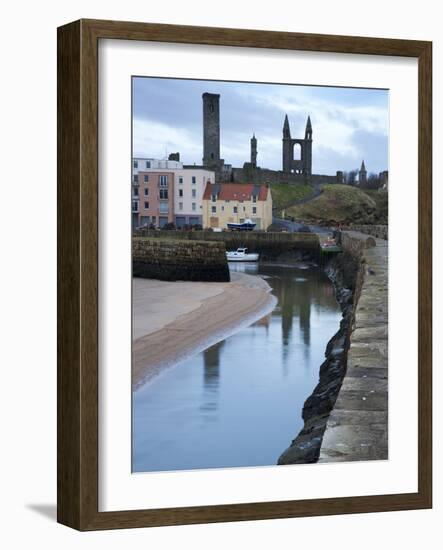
270	245
377	231
179	260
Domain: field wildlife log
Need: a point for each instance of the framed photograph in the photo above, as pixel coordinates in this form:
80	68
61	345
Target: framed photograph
244	274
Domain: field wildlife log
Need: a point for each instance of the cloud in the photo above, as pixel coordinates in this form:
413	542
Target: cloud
154	139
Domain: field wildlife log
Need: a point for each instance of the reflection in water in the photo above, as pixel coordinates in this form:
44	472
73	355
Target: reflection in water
239	402
211	377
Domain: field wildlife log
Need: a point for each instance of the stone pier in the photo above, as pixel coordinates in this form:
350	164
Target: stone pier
357	428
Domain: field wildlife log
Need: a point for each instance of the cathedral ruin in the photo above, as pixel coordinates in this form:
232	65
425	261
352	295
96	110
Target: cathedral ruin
297	154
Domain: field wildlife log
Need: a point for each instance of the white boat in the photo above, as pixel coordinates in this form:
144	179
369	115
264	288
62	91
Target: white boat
247	225
241	255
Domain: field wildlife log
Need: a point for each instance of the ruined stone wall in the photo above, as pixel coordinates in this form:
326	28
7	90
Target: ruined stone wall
179	260
263	175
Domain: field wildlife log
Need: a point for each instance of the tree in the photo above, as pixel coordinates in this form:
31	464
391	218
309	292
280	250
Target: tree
352	176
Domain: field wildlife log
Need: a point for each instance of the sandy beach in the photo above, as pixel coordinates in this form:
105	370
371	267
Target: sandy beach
174	320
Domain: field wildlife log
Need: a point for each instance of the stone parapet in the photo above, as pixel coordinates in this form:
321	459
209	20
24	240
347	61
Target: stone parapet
345	417
357	428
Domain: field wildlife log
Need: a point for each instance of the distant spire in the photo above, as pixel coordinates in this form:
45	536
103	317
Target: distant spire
308	131
286	130
363	167
308	124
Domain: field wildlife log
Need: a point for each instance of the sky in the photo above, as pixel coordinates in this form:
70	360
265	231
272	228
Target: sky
348	124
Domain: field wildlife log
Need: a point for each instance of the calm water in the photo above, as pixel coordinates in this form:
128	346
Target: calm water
239	402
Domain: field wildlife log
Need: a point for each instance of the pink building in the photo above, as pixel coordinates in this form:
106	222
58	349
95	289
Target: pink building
152	198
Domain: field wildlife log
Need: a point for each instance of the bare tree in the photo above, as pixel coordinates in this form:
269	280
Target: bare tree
352	176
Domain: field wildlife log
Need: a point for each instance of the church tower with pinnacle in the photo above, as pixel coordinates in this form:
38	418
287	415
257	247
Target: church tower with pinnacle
362	174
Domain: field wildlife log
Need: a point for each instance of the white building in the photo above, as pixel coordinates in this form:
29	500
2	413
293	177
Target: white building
190	184
141	164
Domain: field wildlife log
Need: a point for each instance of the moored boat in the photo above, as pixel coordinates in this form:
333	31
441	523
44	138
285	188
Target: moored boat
247	225
241	255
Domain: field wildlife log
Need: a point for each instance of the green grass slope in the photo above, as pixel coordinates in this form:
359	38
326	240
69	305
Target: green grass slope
342	204
286	194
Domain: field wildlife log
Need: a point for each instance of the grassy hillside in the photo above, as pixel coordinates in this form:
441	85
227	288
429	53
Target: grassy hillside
342	204
381	201
285	194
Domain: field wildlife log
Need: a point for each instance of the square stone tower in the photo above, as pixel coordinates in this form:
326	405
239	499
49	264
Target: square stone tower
211	130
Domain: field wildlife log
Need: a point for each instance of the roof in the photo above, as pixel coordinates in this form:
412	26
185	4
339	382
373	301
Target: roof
235	191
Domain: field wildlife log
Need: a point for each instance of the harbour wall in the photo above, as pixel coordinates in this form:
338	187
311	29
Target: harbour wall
270	245
179	260
345	418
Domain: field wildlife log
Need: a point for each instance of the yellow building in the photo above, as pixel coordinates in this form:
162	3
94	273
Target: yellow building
225	203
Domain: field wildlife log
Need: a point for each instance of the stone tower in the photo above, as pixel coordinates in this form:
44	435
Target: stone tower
211	130
254	151
304	164
362	174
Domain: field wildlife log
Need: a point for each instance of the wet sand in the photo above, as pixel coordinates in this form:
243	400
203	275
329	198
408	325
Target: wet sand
173	320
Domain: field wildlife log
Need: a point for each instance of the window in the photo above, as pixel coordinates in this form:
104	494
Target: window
163	194
163	181
135	191
135	206
135	164
148	164
180	179
146	191
146	205
146	178
235	210
213	209
254	210
194	206
194	179
254	198
180	192
135	178
214	198
223	208
194	193
163	208
244	208
180	206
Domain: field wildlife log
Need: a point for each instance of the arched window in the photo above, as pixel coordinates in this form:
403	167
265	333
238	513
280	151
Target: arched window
296	155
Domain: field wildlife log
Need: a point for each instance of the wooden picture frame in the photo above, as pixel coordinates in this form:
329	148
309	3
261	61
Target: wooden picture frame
78	274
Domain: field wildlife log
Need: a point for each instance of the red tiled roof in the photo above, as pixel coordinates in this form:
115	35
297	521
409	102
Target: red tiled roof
235	191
